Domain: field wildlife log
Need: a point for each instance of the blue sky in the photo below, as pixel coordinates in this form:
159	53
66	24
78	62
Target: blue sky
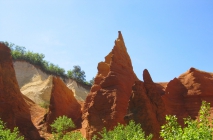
166	37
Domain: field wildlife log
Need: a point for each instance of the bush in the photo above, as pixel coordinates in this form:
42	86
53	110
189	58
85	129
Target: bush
199	129
131	131
60	127
7	134
73	136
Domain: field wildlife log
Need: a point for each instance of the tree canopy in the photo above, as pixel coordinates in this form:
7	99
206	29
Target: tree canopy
77	74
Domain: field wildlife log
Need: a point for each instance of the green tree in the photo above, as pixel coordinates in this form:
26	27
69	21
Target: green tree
131	131
199	129
60	127
77	74
7	134
20	49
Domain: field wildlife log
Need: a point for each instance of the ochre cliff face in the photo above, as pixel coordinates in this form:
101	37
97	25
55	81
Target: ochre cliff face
174	100
184	95
155	96
106	104
146	106
141	110
13	109
25	72
38	90
80	92
37	116
63	102
199	85
181	97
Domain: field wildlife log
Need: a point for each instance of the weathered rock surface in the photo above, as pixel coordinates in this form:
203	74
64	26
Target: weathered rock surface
63	102
26	72
155	97
106	104
146	106
182	97
161	87
80	92
13	108
199	85
174	100
197	82
37	116
38	90
141	110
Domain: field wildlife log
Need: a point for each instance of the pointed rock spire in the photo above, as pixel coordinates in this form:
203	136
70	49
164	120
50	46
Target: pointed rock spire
154	95
13	109
146	77
107	101
142	110
119	42
62	102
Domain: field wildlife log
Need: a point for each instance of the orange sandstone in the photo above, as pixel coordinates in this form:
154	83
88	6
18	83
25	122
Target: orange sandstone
13	108
106	104
63	102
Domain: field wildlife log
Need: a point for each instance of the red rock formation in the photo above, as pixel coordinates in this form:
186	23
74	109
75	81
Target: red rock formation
63	102
141	110
174	100
107	101
13	109
161	87
200	87
146	106
197	82
155	97
183	95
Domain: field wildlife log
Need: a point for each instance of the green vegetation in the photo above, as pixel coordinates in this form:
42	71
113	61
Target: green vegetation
60	127
20	53
76	74
7	134
199	129
131	131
